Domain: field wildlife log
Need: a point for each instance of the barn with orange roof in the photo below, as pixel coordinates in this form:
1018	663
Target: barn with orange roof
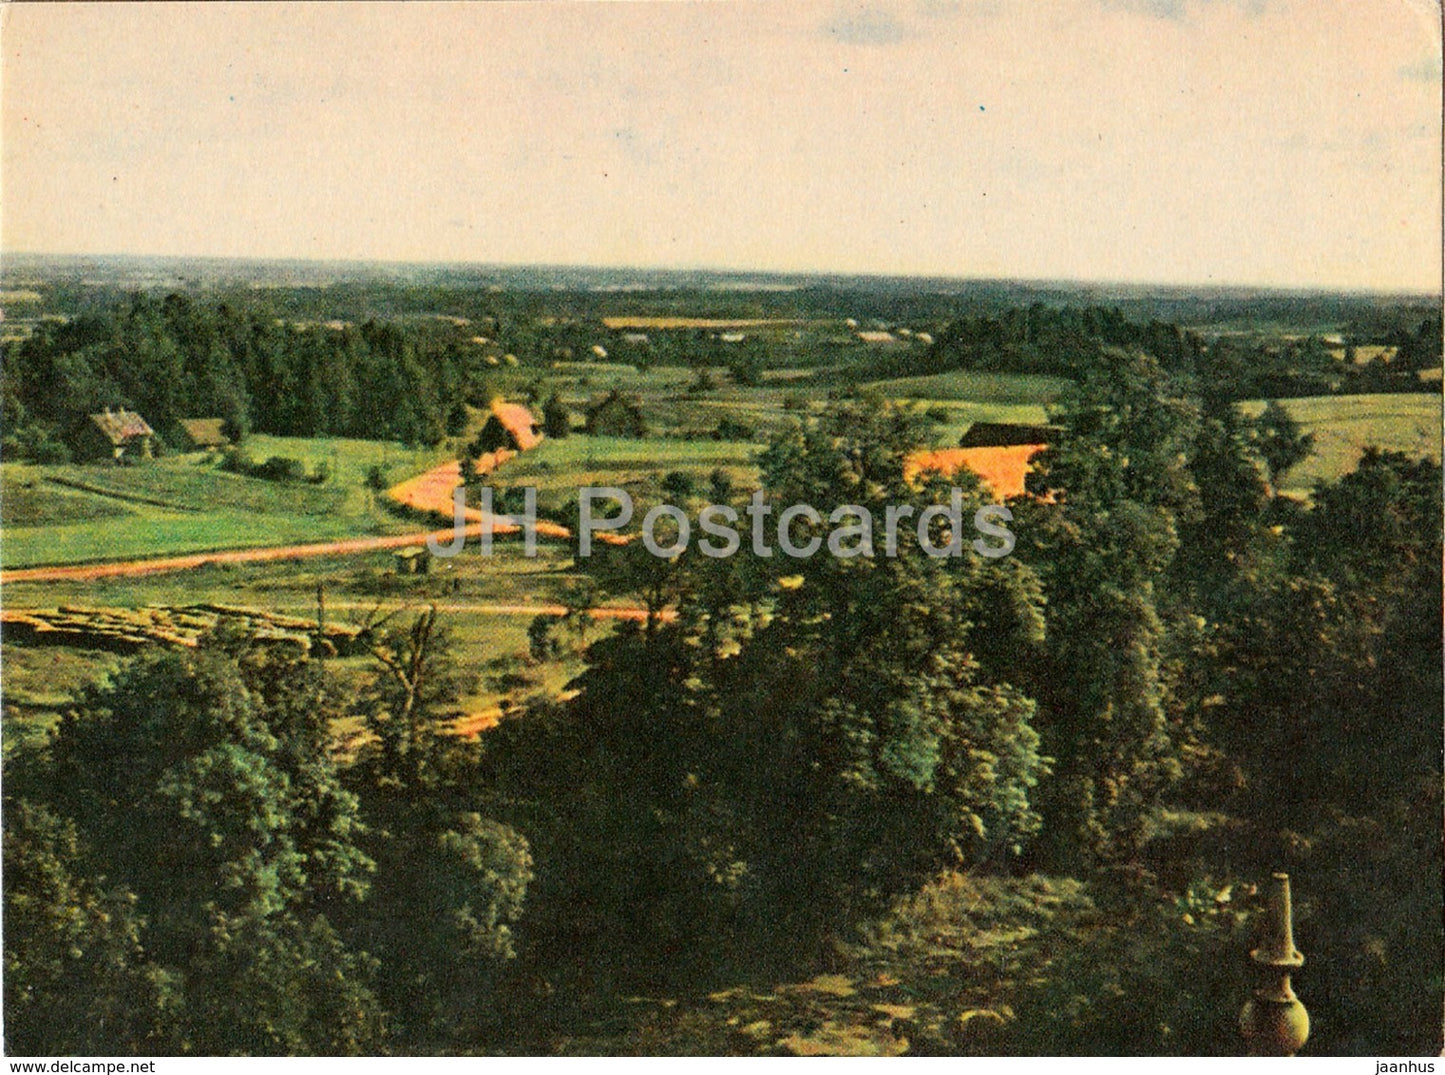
510	426
1004	470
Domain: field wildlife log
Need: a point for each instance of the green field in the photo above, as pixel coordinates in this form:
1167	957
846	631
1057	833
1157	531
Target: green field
38	681
981	388
185	503
174	485
26	501
1343	426
562	466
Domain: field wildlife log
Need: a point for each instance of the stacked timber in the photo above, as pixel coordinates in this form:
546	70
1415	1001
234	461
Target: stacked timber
125	630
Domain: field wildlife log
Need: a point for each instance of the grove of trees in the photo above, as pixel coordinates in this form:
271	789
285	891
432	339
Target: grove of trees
176	358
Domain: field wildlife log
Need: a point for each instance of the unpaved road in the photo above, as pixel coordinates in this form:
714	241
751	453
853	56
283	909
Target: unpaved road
158	565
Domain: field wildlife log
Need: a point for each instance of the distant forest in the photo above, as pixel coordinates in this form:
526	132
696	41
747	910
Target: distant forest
263	366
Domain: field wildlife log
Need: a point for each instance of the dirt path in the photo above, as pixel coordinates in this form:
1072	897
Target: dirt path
158	565
495	609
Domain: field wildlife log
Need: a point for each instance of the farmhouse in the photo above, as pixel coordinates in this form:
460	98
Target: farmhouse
197	434
510	426
1006	434
614	415
120	435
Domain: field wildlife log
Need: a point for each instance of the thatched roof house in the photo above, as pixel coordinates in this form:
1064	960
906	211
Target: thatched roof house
119	435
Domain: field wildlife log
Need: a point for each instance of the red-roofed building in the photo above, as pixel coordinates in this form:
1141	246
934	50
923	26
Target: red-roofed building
510	426
1002	469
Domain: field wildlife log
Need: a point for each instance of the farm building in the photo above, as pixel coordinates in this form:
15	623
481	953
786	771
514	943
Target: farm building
197	434
614	415
118	435
412	561
510	426
1006	434
1003	469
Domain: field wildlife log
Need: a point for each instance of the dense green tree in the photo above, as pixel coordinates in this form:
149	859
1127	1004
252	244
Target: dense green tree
1281	442
784	744
450	882
76	977
179	358
556	419
1103	540
233	833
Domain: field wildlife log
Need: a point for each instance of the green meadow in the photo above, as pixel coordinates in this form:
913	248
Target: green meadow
1343	426
186	503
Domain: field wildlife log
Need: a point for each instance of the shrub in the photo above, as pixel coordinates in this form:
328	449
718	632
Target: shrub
278	468
281	468
731	428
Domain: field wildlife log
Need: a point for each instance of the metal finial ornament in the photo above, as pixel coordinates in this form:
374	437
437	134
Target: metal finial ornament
1274	1022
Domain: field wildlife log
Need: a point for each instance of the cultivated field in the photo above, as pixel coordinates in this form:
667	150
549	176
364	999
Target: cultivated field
715	323
1343	426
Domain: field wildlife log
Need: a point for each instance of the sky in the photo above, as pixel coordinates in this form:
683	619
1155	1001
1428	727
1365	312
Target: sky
1287	143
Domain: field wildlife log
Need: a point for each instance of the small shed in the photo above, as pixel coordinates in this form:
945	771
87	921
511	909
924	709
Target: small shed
118	435
413	561
203	434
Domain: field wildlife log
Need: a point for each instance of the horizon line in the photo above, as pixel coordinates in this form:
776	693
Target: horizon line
713	270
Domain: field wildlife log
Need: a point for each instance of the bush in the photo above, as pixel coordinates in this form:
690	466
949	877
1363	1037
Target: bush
731	428
281	468
278	468
679	485
703	382
35	444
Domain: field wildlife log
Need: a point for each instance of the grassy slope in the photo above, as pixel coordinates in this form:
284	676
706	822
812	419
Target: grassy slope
1344	425
195	506
563	466
1005	389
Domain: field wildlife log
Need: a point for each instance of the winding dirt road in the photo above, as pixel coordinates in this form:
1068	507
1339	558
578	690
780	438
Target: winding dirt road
158	565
